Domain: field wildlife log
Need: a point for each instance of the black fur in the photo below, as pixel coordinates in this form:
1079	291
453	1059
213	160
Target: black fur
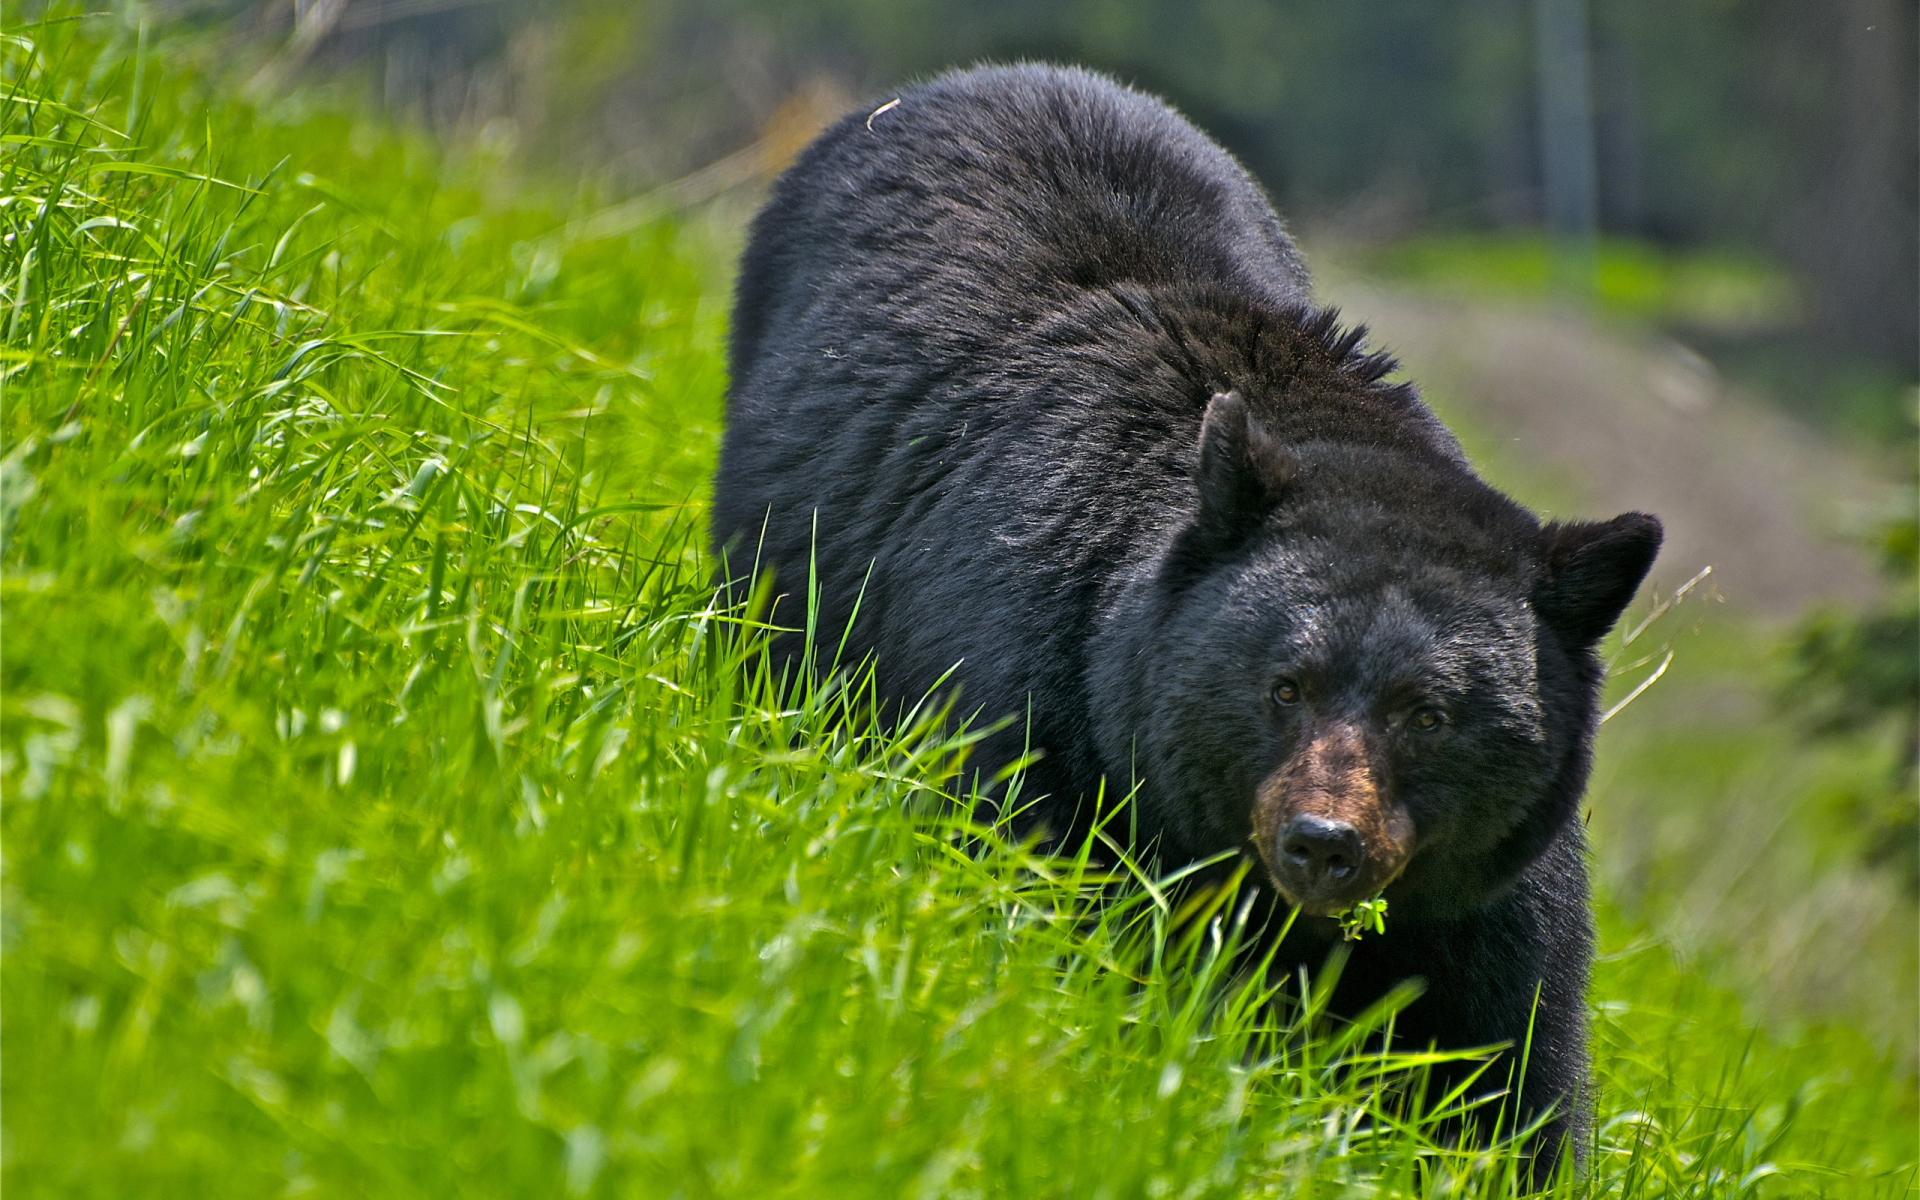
977	337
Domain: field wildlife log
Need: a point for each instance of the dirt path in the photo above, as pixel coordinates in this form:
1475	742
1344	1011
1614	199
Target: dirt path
1605	420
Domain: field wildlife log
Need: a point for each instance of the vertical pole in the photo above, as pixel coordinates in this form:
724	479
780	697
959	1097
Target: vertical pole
1566	144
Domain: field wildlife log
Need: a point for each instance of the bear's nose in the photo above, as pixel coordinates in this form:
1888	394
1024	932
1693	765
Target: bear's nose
1325	853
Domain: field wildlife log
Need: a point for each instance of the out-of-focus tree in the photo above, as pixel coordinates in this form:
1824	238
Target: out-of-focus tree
1776	126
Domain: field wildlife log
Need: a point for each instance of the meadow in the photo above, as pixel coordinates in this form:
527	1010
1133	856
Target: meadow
389	809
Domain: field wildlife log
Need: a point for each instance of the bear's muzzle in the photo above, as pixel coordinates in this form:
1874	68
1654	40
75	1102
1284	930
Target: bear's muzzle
1327	834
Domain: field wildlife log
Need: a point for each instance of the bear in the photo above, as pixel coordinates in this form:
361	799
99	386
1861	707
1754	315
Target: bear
1030	399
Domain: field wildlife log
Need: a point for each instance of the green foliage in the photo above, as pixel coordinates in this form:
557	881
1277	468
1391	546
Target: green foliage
1861	673
388	810
1369	914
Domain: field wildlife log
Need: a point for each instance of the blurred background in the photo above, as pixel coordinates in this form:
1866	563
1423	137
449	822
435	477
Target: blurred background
1652	254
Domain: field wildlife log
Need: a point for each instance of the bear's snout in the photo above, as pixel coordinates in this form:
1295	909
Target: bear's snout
1327	834
1324	853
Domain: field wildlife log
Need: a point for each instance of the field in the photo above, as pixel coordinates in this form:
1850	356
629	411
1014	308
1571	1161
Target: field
390	811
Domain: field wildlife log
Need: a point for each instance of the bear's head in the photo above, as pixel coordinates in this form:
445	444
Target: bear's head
1369	668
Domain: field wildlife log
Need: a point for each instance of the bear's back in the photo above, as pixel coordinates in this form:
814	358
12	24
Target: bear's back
957	410
958	213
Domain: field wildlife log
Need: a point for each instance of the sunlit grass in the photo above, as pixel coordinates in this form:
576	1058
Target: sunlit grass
1720	292
389	810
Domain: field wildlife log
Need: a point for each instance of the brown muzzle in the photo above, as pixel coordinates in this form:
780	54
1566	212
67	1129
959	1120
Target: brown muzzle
1328	836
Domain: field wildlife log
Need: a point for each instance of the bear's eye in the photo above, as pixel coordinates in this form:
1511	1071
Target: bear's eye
1426	720
1286	692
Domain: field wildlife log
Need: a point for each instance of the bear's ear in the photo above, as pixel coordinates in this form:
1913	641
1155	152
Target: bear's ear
1241	474
1589	571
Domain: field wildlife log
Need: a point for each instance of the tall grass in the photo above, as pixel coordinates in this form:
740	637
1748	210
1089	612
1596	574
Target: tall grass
389	809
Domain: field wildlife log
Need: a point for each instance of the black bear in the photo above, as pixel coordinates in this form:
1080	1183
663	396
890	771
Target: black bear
1028	387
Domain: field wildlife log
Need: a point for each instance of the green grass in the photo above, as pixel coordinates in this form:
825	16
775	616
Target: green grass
1720	292
1718	819
388	810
